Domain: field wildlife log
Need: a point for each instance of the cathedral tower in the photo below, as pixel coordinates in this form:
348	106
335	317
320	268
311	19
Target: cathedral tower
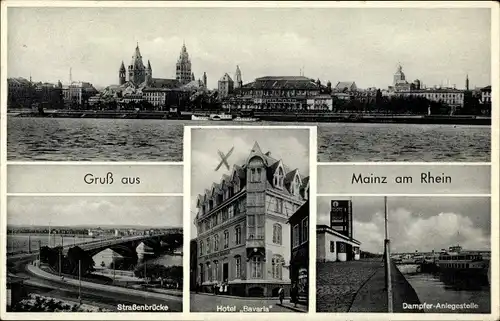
237	77
149	73
399	76
183	67
467	82
205	79
136	69
122	73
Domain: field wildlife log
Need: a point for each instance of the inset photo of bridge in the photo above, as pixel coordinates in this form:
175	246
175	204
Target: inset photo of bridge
94	254
403	254
250	214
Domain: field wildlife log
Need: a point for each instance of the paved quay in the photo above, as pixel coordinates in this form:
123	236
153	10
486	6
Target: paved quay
338	282
372	297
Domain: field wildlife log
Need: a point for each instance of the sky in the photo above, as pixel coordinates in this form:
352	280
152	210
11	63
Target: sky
289	145
99	211
437	46
418	223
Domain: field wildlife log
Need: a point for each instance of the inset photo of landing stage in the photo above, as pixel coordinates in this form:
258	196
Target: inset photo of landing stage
403	254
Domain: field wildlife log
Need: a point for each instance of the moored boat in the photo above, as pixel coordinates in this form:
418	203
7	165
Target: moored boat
221	116
464	262
246	119
199	117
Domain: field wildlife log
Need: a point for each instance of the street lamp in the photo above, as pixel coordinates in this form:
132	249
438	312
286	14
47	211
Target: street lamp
80	281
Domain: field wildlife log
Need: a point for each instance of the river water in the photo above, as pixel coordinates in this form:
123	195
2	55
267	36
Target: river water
439	288
67	139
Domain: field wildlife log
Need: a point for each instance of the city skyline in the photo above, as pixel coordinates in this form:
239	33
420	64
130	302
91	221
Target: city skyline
417	223
331	44
85	210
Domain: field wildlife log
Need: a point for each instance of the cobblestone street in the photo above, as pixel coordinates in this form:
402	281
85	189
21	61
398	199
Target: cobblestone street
213	303
338	282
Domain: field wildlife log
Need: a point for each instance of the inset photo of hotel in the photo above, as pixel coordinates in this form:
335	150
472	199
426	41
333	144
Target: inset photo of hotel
403	254
250	216
94	254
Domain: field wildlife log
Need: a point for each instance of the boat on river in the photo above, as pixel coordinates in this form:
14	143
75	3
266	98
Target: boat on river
221	116
463	262
246	119
199	117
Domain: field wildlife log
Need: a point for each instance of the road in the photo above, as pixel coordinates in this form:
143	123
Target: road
104	297
210	303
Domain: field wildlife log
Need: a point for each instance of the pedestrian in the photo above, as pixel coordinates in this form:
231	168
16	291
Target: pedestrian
225	286
294	294
221	288
281	294
215	288
196	287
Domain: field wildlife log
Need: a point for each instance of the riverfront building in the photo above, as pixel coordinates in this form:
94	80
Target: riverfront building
335	242
243	235
276	93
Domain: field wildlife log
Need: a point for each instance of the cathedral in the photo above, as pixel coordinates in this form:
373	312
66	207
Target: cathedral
136	71
183	72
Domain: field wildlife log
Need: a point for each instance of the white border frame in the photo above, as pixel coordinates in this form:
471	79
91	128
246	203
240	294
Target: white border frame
495	65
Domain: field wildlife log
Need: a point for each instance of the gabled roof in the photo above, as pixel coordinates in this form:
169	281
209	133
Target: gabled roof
283	82
345	85
270	164
226	78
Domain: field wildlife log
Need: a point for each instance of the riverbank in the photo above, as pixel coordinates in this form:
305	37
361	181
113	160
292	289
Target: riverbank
314	117
359	286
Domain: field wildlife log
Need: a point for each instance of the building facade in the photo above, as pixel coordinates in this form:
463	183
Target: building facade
225	86
277	93
450	96
183	72
336	242
333	246
243	235
486	95
299	258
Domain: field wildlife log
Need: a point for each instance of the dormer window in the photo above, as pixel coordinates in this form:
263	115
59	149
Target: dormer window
296	185
279	177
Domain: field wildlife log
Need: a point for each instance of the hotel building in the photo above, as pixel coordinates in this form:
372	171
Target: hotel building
243	236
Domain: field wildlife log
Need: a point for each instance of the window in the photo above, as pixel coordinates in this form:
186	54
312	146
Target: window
305	230
332	246
256	267
295	235
216	270
277	267
230	211
277	234
238	235
216	242
226	239
296	185
202	274
201	247
251	227
238	266
209	272
224	214
208	245
260	222
279	205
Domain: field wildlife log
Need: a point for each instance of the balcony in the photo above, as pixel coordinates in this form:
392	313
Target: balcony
255	243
